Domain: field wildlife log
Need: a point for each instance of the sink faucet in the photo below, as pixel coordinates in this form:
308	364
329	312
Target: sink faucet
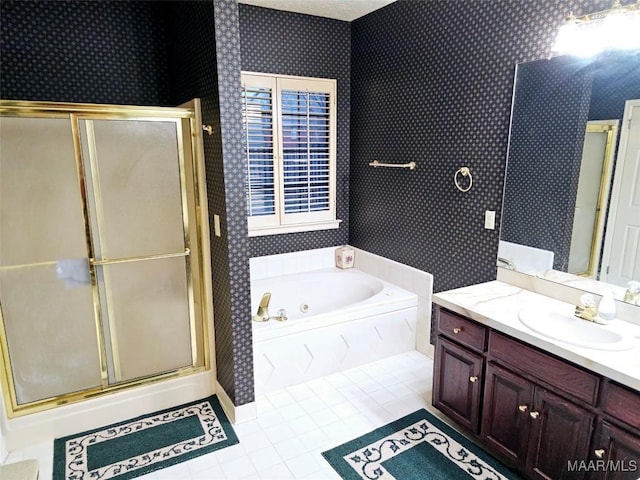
263	308
588	310
632	294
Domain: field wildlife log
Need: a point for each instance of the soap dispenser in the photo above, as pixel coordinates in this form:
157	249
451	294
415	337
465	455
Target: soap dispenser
607	308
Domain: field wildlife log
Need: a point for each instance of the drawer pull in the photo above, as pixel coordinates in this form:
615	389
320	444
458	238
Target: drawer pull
457	330
534	415
473	379
599	453
522	408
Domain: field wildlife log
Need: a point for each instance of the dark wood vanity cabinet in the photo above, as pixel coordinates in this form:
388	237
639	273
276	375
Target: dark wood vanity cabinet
620	452
457	392
541	415
505	421
459	367
617	438
560	431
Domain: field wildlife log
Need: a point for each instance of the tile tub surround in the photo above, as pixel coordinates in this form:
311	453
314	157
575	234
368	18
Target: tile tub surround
496	305
300	357
411	279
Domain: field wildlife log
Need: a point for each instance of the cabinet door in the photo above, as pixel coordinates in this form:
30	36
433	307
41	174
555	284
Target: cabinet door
615	454
505	417
560	434
457	383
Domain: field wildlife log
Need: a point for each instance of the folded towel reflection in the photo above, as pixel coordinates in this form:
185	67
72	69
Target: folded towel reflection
74	271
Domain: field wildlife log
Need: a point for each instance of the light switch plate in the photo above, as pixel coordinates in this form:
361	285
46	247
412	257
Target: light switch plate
216	225
490	219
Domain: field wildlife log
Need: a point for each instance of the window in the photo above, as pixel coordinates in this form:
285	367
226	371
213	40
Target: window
289	140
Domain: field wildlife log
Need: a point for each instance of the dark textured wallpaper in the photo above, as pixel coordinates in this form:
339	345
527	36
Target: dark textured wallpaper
616	78
227	51
274	41
152	53
426	81
551	106
89	52
432	83
210	74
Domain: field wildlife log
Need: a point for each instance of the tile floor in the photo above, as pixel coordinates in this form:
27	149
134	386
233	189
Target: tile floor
296	424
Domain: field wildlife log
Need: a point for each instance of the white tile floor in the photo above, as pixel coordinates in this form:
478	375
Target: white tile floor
296	424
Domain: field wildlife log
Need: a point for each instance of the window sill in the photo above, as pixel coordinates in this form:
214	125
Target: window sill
300	227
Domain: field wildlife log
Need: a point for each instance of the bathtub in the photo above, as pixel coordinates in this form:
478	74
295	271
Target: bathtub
336	320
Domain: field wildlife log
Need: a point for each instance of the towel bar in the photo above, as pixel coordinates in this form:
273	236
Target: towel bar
410	165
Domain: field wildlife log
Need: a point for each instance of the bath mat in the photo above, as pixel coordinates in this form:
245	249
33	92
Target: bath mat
418	446
144	444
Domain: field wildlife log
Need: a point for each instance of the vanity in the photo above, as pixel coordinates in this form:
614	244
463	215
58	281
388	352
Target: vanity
551	395
545	407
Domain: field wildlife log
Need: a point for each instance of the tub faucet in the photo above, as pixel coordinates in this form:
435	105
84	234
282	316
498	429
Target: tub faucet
263	308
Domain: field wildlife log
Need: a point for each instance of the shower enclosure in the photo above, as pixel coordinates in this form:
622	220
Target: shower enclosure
101	256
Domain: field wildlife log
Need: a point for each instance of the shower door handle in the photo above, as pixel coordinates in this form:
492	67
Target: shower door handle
110	261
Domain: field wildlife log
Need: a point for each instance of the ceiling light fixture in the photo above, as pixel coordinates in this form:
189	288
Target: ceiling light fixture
617	28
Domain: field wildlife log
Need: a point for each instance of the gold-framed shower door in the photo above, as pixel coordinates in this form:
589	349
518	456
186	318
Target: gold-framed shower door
195	235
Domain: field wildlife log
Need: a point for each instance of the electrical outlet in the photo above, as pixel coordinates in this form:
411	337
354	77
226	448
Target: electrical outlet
490	219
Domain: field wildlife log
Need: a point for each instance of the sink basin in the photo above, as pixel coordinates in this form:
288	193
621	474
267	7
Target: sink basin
573	330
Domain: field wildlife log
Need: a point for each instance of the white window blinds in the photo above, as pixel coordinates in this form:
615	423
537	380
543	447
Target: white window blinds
289	146
259	148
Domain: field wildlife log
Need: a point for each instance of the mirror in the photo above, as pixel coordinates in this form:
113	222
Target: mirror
566	132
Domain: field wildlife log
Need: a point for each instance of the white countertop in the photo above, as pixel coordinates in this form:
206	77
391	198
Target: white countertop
496	305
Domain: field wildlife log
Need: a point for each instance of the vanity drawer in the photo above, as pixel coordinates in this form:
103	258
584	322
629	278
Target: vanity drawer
462	330
519	357
621	403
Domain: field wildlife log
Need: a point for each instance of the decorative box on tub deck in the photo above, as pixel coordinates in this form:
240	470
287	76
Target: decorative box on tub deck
345	257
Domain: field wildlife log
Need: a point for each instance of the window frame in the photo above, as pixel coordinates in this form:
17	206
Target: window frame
281	222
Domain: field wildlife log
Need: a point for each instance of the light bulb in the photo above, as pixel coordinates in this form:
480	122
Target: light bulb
615	29
567	35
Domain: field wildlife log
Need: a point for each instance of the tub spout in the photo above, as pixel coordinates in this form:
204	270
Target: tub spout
263	308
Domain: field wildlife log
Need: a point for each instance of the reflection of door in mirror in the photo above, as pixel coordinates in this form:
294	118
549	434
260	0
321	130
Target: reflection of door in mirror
591	198
621	257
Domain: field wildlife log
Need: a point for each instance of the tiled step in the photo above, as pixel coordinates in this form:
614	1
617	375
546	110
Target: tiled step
24	470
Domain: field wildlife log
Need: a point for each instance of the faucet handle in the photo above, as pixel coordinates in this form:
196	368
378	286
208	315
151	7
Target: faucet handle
632	294
264	301
587	300
586	313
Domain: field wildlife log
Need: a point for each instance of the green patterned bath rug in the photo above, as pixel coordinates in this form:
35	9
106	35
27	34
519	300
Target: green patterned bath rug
144	444
416	447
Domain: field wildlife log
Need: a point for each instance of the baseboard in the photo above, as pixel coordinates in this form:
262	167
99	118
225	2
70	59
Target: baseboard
3	450
239	414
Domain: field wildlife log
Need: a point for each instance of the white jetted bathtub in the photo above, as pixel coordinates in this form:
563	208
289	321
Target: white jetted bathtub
336	320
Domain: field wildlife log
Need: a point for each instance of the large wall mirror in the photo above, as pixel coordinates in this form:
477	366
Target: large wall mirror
573	160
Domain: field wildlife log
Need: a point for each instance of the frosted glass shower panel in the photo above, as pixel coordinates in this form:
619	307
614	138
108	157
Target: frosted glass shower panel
50	332
41	218
136	168
45	284
149	316
98	208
